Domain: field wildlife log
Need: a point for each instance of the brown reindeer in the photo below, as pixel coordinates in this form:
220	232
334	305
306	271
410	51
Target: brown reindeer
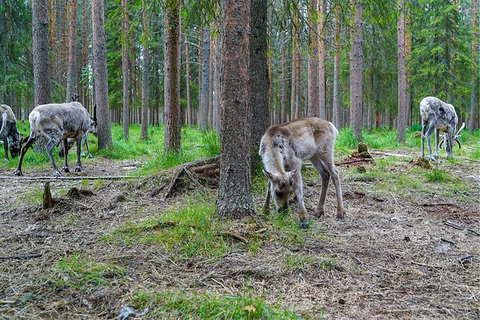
283	149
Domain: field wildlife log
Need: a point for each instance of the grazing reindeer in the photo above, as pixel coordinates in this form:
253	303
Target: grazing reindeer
439	116
9	131
283	149
57	122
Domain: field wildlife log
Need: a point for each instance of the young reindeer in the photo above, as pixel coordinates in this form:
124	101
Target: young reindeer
439	116
284	147
57	122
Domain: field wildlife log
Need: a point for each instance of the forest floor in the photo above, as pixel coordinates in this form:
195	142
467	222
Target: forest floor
401	252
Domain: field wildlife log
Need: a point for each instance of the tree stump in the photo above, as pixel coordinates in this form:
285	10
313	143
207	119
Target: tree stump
47	196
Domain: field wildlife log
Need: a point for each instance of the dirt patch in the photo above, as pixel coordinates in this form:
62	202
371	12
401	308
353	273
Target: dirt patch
393	257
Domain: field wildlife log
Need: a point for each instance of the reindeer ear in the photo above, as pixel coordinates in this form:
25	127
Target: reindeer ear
291	174
269	175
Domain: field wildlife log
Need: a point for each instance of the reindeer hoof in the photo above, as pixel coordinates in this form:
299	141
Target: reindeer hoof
340	218
304	224
318	213
78	169
66	169
57	174
18	172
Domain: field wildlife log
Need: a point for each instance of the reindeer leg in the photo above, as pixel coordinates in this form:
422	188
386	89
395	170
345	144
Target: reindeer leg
78	168
52	143
325	176
431	128
437	140
5	148
266	204
85	139
65	155
329	164
424	128
298	189
28	144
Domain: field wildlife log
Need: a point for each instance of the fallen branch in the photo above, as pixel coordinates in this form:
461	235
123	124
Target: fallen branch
456	226
172	183
22	256
195	181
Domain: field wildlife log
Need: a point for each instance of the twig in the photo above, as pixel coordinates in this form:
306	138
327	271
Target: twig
195	181
390	154
456	226
172	183
233	235
438	205
51	179
353	161
463	259
426	265
22	256
447	241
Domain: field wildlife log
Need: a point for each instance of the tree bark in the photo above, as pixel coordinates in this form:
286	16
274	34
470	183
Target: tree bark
172	77
72	93
284	112
473	105
356	71
402	77
336	72
258	74
205	88
144	130
187	80
100	74
313	71
321	59
125	71
234	194
41	51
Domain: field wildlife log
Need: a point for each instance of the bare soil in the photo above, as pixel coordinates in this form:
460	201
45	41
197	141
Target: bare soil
392	258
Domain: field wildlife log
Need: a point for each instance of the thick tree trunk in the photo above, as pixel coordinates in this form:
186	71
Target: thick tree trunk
100	74
284	81
125	71
172	76
144	131
205	88
41	57
336	71
321	59
72	93
258	74
234	194
313	95
356	71
473	105
402	77
216	85
187	80
85	97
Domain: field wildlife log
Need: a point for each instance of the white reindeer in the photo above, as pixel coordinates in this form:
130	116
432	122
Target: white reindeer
439	116
284	147
9	132
57	122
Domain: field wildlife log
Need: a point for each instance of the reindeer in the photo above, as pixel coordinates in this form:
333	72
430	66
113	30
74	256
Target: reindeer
283	149
439	116
9	132
57	122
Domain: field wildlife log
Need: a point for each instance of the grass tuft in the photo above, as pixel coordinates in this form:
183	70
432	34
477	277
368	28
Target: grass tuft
180	305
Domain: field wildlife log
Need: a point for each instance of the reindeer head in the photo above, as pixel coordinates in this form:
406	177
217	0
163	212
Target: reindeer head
281	187
450	139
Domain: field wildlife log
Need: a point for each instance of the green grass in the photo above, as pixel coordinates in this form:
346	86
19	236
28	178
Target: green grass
80	272
190	230
179	305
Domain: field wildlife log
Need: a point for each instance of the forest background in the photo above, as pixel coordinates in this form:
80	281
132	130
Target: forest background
438	40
